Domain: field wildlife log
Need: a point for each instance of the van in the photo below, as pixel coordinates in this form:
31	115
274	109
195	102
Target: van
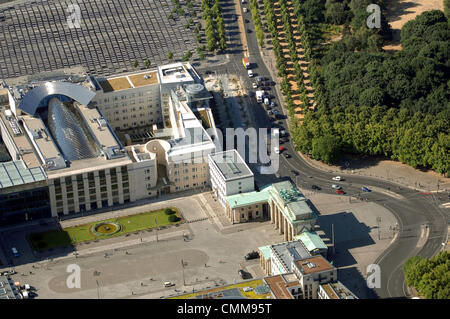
15	252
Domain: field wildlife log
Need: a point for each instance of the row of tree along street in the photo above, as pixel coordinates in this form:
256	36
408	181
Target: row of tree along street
367	101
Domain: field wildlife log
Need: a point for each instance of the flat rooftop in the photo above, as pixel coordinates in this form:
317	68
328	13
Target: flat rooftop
143	79
22	143
279	285
129	81
41	137
115	84
289	252
313	265
337	290
98	126
231	165
176	72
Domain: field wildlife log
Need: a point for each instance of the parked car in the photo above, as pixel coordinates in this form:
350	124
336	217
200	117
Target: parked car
242	274
276	150
251	255
340	192
295	172
315	187
254	85
249	31
287	155
273	104
365	189
15	252
169	284
337	178
335	186
234	17
270	112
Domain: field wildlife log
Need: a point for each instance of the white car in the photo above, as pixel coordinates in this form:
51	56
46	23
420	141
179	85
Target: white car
336	178
336	186
250	73
276	150
255	86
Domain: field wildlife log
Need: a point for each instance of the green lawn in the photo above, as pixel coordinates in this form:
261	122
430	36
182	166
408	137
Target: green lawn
82	233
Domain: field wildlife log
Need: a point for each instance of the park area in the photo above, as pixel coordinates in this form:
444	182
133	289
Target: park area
104	229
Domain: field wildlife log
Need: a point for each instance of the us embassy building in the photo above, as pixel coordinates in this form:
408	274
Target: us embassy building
71	142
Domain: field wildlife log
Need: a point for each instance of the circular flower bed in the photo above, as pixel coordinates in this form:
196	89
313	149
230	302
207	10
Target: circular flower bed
105	229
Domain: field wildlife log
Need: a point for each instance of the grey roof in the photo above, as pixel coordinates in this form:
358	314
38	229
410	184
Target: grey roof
16	173
290	251
231	165
33	98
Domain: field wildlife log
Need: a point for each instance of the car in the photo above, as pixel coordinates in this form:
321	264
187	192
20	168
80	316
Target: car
254	85
335	186
234	17
340	192
242	274
296	173
282	148
276	150
250	73
270	112
252	255
246	21
273	104
365	189
15	252
208	72
315	187
282	132
287	155
169	284
337	178
249	31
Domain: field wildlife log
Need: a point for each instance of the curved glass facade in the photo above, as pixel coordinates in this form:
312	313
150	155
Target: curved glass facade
37	96
69	132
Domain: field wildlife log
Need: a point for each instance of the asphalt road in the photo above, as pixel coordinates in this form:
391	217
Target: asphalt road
414	211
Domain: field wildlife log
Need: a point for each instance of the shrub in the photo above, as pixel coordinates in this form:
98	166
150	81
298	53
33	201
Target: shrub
169	211
173	218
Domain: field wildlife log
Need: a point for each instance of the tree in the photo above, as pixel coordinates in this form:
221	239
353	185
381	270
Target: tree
187	56
170	55
173	218
147	63
169	211
135	64
326	148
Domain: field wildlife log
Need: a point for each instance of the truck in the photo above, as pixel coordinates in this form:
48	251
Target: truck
259	96
246	62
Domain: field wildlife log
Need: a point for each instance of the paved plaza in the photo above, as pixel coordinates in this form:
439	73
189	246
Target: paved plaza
212	250
35	36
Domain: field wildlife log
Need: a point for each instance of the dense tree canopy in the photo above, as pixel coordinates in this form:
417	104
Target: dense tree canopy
430	276
379	103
